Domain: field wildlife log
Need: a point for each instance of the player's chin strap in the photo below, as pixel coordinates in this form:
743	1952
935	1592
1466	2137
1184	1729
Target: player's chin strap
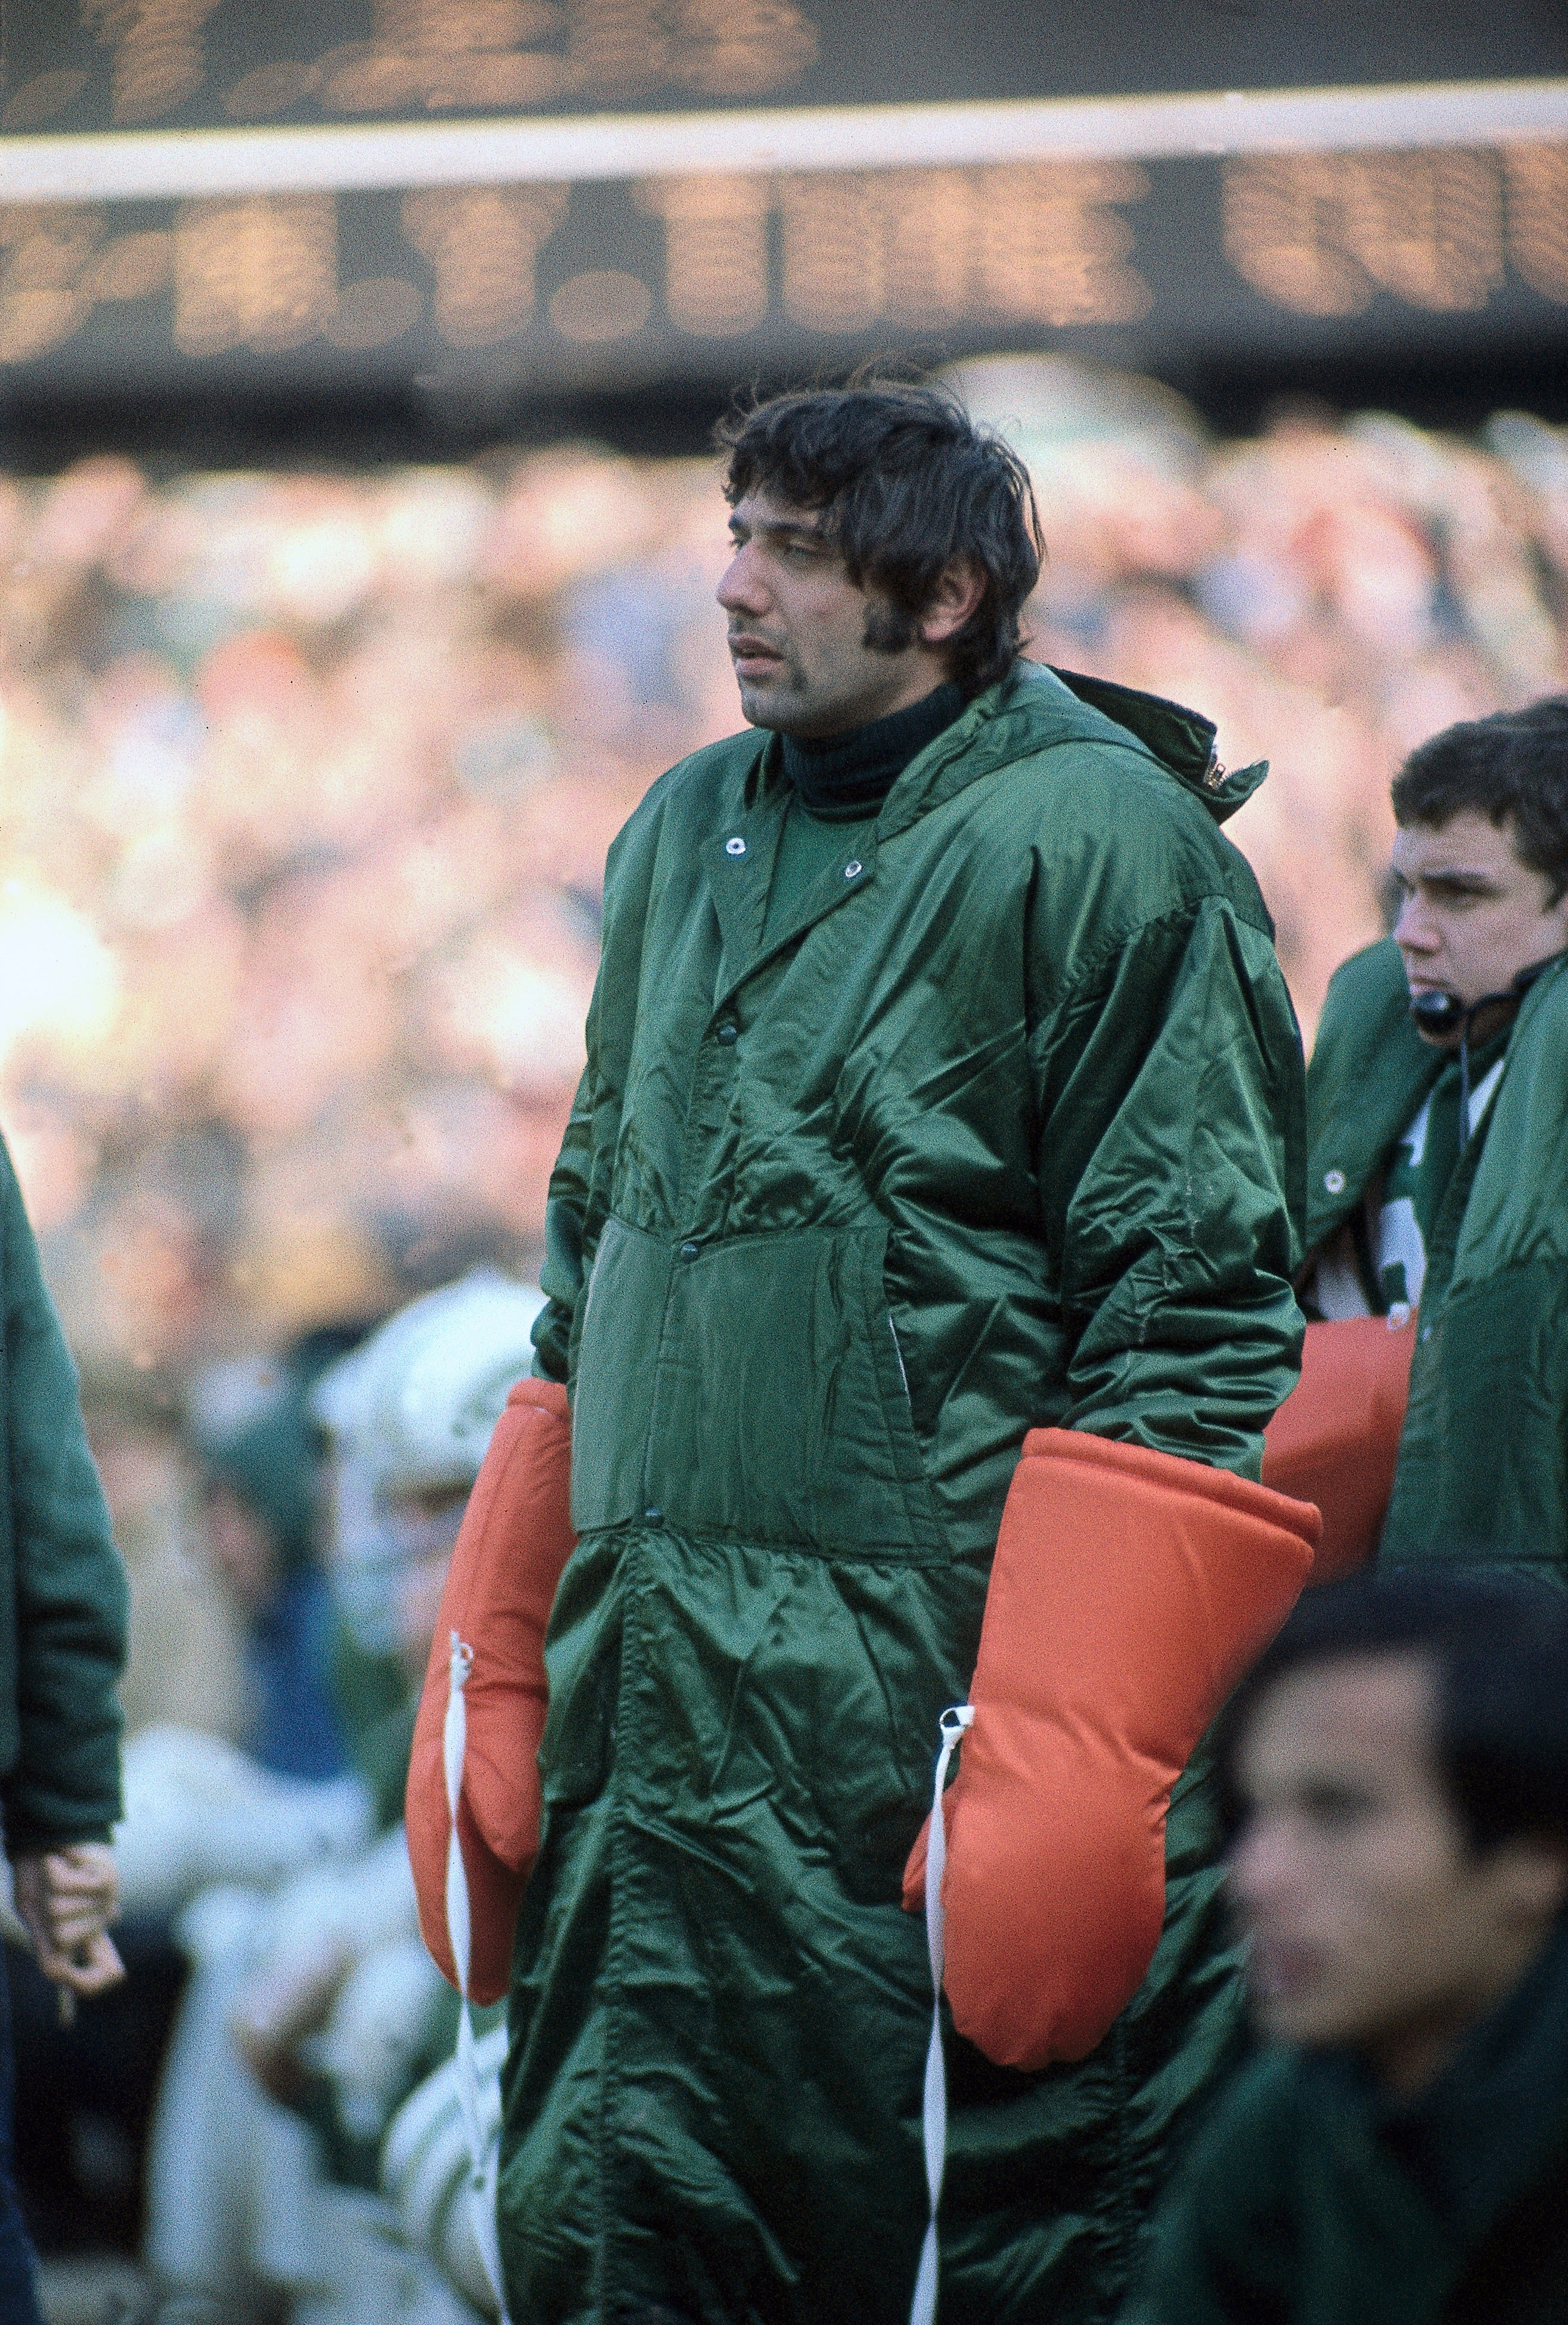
923	2308
484	2154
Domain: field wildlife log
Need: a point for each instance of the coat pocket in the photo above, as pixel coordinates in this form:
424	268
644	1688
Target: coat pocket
780	1414
751	1388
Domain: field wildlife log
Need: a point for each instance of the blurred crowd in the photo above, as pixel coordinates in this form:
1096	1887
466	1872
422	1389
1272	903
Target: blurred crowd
306	783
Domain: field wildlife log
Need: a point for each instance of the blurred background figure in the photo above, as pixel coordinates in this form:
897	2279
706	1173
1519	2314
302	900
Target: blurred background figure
1398	1766
257	1460
313	2008
62	1643
199	1808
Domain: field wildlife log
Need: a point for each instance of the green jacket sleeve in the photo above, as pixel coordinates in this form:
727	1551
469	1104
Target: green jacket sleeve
578	1197
1171	1168
564	1220
59	1723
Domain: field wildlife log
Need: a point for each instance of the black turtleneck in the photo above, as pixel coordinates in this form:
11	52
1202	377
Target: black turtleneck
847	776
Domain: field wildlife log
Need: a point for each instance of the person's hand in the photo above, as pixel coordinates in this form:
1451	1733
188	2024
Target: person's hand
66	1900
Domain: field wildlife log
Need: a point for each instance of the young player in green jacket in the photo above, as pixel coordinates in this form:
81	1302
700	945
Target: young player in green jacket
1437	1178
942	1088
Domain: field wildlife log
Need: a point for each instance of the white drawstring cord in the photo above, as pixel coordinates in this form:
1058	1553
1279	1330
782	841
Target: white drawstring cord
923	2308
483	2158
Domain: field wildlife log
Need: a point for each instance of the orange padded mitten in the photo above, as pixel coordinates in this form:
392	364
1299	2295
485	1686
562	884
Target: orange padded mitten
1335	1440
516	1537
1129	1592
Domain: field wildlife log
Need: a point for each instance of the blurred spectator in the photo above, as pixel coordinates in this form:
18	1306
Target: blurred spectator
1398	1762
258	1468
313	2008
63	1598
187	1653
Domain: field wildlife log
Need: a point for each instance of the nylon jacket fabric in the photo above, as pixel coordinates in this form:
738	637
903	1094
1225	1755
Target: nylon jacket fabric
1004	1130
1483	1470
63	1588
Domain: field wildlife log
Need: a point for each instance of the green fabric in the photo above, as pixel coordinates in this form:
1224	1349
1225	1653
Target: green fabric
1008	1135
1485	2130
1450	2209
1370	1071
810	849
63	1588
1482	1472
839	788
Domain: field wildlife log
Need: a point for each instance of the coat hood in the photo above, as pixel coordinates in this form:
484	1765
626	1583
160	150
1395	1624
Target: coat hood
1181	740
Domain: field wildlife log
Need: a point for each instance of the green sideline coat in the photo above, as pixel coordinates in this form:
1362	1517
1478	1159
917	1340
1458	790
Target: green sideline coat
1483	1460
63	1588
1004	1130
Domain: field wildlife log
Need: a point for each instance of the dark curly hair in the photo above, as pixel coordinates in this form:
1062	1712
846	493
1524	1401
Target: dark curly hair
905	483
1496	1644
1513	768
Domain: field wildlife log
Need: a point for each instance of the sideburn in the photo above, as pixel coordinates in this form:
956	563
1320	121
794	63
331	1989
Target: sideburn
890	629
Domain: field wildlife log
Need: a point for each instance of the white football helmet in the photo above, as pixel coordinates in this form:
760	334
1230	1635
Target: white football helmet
410	1413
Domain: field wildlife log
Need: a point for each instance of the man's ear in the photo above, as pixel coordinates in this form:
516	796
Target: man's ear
959	590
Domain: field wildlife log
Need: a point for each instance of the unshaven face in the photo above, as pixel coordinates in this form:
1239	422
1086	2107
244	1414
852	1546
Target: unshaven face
1374	1926
1471	916
799	629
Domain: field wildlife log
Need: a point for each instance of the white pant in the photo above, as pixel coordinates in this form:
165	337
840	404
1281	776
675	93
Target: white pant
242	2227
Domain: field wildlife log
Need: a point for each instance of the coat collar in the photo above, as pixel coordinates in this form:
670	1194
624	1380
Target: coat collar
1033	707
1377	1070
1029	710
1516	1211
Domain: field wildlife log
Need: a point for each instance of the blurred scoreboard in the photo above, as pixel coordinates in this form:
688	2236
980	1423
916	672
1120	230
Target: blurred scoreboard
556	193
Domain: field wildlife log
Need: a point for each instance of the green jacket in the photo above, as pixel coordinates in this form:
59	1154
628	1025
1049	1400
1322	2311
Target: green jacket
1001	1131
1483	1460
1312	2199
63	1588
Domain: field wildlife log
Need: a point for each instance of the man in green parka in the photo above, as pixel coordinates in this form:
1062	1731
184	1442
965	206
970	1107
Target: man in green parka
942	1086
1437	1179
